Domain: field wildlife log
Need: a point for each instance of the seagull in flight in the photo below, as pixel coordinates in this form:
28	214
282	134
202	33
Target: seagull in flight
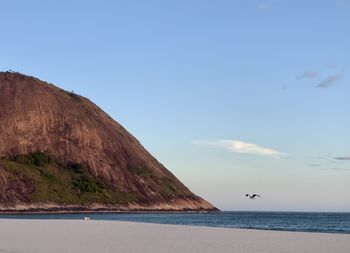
252	196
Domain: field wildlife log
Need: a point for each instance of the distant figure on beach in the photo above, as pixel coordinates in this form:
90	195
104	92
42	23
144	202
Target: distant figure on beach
252	196
87	218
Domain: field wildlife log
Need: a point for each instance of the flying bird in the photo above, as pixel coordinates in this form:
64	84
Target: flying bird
252	196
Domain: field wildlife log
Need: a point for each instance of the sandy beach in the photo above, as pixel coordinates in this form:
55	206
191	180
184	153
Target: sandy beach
43	236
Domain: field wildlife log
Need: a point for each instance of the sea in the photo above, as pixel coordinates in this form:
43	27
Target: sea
280	221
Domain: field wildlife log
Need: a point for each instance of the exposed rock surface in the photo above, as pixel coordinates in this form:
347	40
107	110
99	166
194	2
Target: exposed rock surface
36	116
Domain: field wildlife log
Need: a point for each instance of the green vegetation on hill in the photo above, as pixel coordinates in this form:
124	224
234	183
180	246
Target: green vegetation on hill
139	171
37	159
168	187
75	96
53	182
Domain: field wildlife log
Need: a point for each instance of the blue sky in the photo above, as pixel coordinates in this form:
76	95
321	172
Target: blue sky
233	97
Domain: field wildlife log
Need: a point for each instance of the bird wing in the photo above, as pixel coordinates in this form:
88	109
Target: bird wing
256	195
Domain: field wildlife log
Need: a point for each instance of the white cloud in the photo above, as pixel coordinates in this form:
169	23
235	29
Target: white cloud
237	146
329	81
307	74
343	158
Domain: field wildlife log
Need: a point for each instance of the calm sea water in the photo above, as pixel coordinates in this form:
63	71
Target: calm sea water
284	221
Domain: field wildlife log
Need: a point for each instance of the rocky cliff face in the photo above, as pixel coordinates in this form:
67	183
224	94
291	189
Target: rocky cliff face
51	138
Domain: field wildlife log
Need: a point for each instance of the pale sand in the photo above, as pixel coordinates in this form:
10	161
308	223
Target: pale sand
53	236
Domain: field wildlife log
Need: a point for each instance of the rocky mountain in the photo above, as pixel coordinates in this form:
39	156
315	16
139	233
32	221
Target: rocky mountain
60	152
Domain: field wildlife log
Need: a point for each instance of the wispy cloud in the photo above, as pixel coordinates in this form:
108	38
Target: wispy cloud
308	75
334	169
264	6
340	169
341	3
330	65
237	146
343	158
329	81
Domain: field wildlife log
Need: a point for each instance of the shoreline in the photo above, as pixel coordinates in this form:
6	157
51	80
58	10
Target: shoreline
203	219
166	224
165	211
42	236
145	211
